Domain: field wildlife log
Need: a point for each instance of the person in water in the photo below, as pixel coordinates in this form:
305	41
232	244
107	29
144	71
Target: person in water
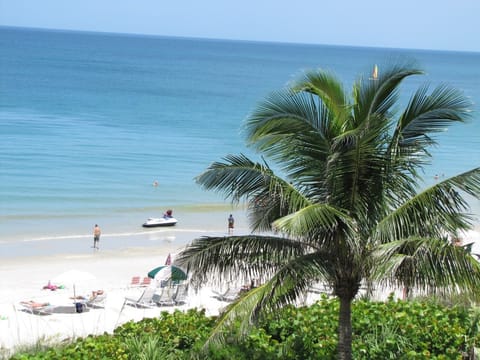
231	223
96	236
168	214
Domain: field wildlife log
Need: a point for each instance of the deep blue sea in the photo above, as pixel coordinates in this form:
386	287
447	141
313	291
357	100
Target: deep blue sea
89	120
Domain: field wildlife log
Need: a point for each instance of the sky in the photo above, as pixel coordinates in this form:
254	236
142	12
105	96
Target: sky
415	24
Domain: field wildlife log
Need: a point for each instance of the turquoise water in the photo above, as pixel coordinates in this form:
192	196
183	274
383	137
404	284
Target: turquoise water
88	121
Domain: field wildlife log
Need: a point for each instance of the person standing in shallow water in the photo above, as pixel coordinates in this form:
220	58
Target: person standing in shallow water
96	236
231	223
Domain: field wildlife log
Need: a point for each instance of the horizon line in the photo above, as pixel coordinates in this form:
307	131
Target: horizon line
274	42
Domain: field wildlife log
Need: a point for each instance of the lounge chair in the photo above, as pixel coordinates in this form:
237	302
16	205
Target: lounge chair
135	281
181	294
97	300
165	298
37	308
229	295
146	281
145	300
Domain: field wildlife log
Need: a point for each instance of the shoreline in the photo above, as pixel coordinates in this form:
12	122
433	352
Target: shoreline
134	237
121	236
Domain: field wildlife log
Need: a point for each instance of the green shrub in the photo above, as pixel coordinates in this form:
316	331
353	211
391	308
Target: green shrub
381	330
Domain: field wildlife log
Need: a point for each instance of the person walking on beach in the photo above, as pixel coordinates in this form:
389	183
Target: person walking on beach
96	236
231	222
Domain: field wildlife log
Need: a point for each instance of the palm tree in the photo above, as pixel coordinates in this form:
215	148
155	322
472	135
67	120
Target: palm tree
345	203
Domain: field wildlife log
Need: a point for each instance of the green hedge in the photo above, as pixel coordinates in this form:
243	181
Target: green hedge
381	330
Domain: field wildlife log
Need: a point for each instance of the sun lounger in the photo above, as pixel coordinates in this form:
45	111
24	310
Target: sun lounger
165	298
146	281
37	308
135	281
145	300
97	300
181	294
229	295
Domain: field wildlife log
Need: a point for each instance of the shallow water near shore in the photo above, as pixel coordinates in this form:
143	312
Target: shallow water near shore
129	235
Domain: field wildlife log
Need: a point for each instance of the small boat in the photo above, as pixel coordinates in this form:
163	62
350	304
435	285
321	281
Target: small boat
163	221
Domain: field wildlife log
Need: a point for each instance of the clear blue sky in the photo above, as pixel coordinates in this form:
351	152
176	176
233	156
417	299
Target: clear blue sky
420	24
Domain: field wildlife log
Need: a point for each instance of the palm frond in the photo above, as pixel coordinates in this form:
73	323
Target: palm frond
286	286
220	259
315	224
276	199
426	263
292	130
237	176
425	115
268	195
440	209
469	182
329	90
379	96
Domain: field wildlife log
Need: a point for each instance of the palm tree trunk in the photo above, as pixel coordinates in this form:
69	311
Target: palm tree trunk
345	329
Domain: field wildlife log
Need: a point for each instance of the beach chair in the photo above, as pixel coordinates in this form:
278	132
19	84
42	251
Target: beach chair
229	295
165	298
97	301
145	300
146	281
181	294
37	308
135	281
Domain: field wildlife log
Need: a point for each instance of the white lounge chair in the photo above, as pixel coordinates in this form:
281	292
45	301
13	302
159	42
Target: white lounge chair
229	295
145	300
165	298
181	294
37	308
98	301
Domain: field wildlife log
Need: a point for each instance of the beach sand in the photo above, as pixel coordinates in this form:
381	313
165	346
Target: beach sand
27	266
22	279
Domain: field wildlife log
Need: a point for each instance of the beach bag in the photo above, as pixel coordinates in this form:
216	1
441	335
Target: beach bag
79	307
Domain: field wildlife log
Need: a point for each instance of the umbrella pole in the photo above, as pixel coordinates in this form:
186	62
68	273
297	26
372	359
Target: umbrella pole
74	295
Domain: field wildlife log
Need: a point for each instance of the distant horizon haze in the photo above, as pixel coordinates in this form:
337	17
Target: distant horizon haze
427	25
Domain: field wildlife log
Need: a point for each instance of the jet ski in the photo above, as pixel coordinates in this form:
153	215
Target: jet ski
163	221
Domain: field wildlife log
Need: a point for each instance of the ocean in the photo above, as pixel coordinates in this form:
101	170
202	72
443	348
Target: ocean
89	121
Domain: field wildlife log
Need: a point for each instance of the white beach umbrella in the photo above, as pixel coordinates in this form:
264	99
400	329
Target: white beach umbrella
73	277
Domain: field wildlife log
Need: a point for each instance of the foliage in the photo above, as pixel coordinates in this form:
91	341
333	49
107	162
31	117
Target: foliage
391	330
382	330
411	329
171	335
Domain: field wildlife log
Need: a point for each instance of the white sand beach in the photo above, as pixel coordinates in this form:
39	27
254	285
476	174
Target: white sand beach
119	259
22	279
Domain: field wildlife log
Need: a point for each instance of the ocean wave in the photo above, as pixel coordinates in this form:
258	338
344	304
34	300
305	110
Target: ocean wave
117	235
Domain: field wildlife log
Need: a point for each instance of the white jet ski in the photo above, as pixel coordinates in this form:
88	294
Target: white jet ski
163	221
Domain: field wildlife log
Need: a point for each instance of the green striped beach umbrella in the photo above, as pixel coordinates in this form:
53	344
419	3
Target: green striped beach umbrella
168	272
